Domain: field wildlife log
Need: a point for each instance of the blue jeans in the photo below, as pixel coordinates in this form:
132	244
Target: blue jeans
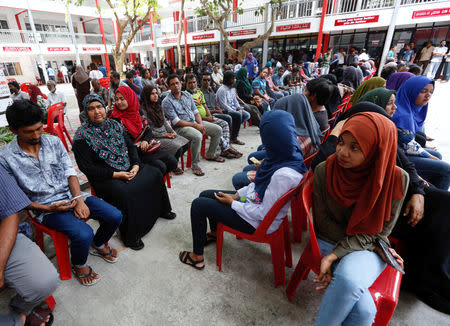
238	118
240	179
435	172
347	300
80	233
259	155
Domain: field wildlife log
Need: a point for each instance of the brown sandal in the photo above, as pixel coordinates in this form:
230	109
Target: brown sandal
215	159
197	171
228	154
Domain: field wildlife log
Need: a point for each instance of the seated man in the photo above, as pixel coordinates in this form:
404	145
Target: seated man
199	100
16	93
99	90
23	266
180	108
210	99
217	76
43	170
132	81
55	96
226	98
115	83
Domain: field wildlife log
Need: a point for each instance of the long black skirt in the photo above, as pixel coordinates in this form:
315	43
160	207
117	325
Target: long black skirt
141	201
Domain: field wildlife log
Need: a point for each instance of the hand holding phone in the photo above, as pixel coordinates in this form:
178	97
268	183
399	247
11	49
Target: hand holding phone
388	257
254	160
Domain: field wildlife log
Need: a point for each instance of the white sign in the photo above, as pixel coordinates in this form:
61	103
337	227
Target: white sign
5	98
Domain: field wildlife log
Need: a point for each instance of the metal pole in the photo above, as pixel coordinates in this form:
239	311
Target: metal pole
319	37
33	29
267	14
74	39
389	35
102	31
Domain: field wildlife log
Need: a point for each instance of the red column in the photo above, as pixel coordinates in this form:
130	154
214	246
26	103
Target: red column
235	4
19	25
326	41
319	37
187	57
102	31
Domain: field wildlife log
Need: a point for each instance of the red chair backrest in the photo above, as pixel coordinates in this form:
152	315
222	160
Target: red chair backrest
24	87
261	231
307	200
53	112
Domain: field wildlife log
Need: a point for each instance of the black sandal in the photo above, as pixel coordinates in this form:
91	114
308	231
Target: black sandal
38	315
189	261
210	238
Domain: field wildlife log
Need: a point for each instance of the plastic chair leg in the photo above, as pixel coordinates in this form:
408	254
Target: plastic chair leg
62	255
182	162
287	244
219	244
203	148
299	274
51	303
189	159
167	180
40	239
277	250
66	132
60	135
296	216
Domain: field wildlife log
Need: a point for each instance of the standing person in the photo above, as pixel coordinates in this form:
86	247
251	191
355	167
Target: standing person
43	170
102	69
446	69
281	171
180	108
16	93
252	65
23	265
412	46
51	73
171	142
65	73
438	53
342	56
326	61
82	85
357	197
391	54
94	72
425	56
226	98
108	157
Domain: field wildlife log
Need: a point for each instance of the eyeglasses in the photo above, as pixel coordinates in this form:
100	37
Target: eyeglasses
206	79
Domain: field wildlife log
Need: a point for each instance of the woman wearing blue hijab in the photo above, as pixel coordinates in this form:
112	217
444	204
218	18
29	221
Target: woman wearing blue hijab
245	209
412	107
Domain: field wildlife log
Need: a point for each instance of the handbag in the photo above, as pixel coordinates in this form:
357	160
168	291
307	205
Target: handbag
154	148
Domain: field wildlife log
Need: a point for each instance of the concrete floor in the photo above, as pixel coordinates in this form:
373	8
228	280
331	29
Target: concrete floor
151	287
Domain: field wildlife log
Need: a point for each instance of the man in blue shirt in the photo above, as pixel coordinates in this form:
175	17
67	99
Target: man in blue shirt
408	54
43	170
23	266
278	78
133	82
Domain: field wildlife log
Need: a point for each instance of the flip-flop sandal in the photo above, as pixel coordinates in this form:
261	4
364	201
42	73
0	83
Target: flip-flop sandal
37	317
215	159
79	277
189	261
228	154
210	238
178	171
95	252
238	142
197	171
235	152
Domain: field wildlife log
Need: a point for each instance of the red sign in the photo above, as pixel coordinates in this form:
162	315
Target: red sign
58	49
431	13
356	20
169	40
92	48
17	49
203	36
243	32
293	27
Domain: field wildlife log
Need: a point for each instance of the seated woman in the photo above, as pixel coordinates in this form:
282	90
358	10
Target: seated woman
281	171
318	92
367	86
245	93
357	197
126	111
412	106
335	98
171	142
382	97
259	85
397	79
107	156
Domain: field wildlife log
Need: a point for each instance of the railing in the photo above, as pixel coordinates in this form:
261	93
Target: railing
18	36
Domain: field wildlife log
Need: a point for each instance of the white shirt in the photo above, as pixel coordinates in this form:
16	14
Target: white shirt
341	58
289	60
63	70
95	74
56	97
440	49
281	182
363	57
217	78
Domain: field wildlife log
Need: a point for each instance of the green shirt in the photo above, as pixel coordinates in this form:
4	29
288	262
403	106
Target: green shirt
331	219
200	103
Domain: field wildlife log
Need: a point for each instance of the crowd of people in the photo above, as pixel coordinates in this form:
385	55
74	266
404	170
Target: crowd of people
375	174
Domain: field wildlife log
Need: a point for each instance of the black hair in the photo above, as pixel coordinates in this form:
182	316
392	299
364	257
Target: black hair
180	71
15	84
23	113
387	71
206	74
172	76
415	69
93	66
129	75
228	77
190	76
322	88
115	74
294	70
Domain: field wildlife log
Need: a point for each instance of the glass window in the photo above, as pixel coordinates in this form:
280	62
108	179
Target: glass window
422	36
375	45
439	34
3	24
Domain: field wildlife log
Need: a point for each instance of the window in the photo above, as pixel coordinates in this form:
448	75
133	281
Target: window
11	68
3	24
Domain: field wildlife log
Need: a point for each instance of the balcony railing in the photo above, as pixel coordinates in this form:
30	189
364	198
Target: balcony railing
18	36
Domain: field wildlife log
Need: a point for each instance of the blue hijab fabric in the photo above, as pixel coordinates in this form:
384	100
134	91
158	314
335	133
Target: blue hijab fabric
408	115
278	134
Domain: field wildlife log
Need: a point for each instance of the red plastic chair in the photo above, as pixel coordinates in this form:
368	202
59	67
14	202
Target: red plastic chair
58	129
280	240
60	243
203	147
50	301
167	180
24	87
384	290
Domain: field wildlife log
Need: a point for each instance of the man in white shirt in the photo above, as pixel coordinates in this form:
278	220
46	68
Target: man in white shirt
95	73
438	53
65	73
217	76
363	55
341	57
55	96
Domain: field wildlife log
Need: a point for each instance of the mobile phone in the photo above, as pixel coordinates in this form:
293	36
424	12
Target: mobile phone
391	261
254	160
